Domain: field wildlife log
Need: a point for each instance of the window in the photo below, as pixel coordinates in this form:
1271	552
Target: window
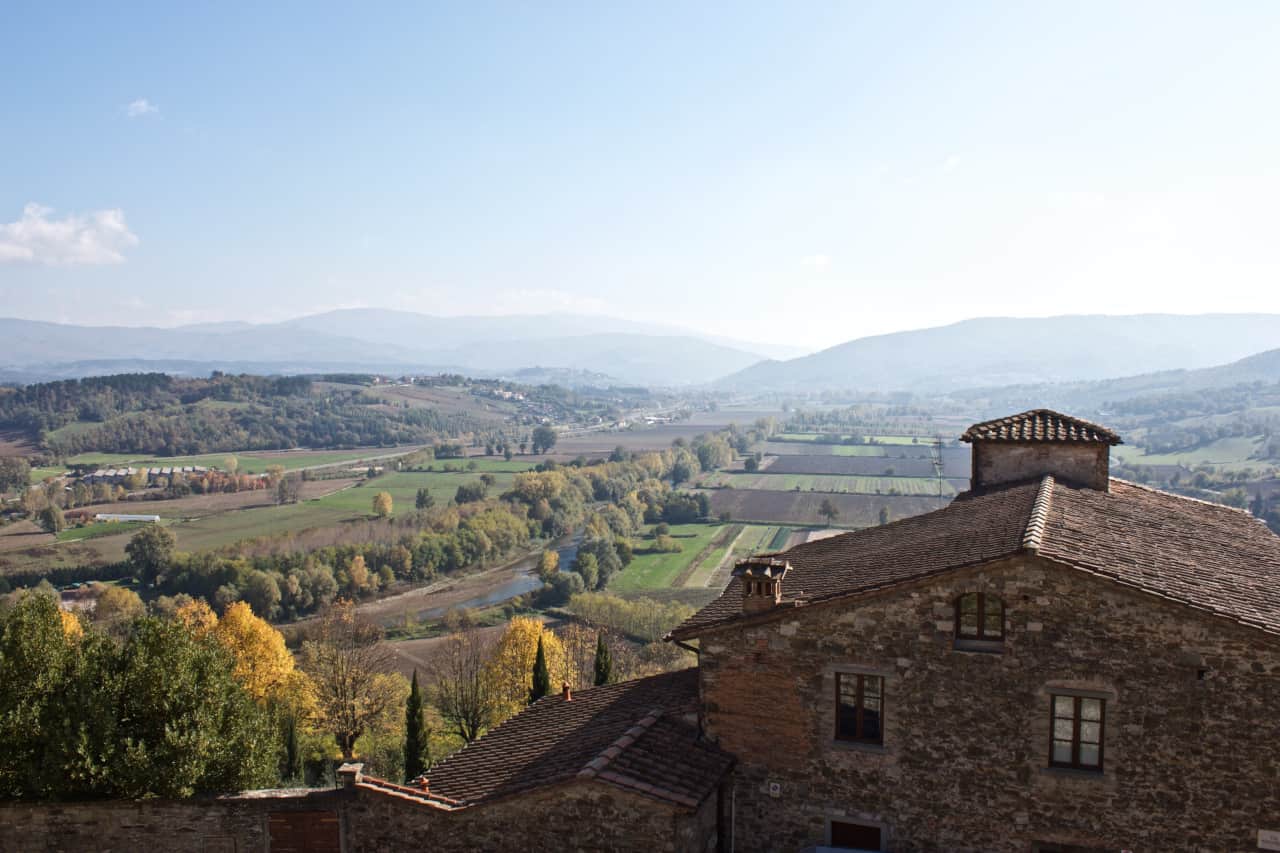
980	617
855	836
1077	732
859	707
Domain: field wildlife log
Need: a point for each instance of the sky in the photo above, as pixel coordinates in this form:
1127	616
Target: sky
800	172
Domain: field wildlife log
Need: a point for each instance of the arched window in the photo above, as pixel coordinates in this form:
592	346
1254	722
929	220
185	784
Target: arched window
979	617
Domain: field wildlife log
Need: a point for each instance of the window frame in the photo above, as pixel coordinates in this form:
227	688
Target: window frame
981	636
860	708
1076	721
879	828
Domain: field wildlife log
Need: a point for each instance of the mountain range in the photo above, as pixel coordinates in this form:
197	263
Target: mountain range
1000	351
978	353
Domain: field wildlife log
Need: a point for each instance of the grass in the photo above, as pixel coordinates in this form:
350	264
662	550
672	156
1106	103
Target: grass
1235	451
779	540
836	483
224	528
657	571
823	438
99	529
801	448
250	462
403	487
39	474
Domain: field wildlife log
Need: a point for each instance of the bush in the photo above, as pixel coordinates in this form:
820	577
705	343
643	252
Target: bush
666	545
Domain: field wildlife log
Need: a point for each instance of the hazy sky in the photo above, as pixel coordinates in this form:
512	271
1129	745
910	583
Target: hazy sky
799	171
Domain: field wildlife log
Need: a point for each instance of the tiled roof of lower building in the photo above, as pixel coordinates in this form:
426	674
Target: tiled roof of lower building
1040	425
634	735
1207	556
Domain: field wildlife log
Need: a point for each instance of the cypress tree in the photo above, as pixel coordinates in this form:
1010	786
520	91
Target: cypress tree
415	733
604	663
541	675
291	772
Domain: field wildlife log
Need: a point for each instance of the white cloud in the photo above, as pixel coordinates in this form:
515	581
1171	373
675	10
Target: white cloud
139	108
99	237
817	263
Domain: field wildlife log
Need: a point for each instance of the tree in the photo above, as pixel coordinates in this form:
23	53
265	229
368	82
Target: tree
604	663
750	465
349	665
548	565
587	566
382	504
51	519
263	665
470	493
884	515
117	608
15	473
541	676
287	490
828	511
544	438
231	465
150	552
462	689
416	747
291	760
510	668
423	499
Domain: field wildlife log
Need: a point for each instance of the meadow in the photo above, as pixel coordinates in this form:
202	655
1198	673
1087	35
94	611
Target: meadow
657	571
833	483
249	462
1231	453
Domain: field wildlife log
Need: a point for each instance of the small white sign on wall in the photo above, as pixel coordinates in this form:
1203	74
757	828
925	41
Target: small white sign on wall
1269	839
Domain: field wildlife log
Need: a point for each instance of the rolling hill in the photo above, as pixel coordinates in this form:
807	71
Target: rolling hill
1001	351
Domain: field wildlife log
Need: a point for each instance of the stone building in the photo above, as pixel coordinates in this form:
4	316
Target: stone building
1057	662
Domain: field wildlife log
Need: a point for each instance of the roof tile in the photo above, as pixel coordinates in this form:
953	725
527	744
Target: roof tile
1040	425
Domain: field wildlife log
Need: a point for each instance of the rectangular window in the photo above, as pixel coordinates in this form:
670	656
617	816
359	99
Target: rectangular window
854	836
1077	732
859	707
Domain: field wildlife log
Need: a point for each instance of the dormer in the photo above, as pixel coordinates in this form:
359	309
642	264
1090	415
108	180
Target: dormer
1038	442
761	579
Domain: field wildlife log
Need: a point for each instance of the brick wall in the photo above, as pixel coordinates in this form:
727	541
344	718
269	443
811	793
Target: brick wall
1191	763
996	462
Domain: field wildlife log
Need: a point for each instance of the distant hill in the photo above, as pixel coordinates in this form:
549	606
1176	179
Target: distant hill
375	340
1001	351
1098	396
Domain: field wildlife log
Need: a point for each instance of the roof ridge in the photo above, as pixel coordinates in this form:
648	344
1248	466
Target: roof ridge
596	765
1188	498
1034	535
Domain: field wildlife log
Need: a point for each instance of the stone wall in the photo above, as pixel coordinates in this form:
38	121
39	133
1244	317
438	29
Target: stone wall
1192	737
996	462
578	816
215	825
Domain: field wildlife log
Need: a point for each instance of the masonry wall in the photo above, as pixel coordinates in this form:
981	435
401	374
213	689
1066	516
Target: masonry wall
997	462
580	816
1192	760
221	825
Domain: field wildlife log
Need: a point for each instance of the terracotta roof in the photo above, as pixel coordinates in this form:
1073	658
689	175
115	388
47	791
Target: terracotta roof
1040	425
633	735
1204	555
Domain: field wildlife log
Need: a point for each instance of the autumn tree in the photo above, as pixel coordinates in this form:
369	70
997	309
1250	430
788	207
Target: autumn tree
382	504
150	552
231	465
350	667
511	666
462	689
50	518
548	565
116	608
416	747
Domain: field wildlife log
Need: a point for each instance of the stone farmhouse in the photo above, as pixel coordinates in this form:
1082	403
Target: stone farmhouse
1057	662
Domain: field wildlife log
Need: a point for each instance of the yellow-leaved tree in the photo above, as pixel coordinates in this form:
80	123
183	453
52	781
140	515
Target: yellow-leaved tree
263	665
510	669
382	504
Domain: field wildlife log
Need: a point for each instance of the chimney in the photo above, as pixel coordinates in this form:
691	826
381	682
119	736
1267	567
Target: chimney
566	692
761	579
422	783
1039	442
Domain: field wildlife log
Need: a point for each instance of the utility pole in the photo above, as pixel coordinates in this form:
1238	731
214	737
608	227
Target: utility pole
937	465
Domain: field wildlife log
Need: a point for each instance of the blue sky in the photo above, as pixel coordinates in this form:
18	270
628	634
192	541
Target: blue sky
802	171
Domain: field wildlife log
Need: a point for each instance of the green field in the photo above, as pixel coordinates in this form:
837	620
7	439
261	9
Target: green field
1234	452
825	438
214	531
657	571
253	462
778	540
403	487
98	529
809	448
836	483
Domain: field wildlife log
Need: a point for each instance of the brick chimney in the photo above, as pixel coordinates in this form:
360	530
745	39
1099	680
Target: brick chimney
565	691
1031	444
761	579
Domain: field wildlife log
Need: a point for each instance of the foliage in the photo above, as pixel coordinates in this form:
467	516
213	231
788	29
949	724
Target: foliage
382	504
544	438
349	665
604	663
462	688
541	677
161	714
150	551
417	748
510	666
15	472
642	618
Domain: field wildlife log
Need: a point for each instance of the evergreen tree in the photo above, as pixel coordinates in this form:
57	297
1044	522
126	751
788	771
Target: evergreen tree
541	676
291	766
415	733
604	663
